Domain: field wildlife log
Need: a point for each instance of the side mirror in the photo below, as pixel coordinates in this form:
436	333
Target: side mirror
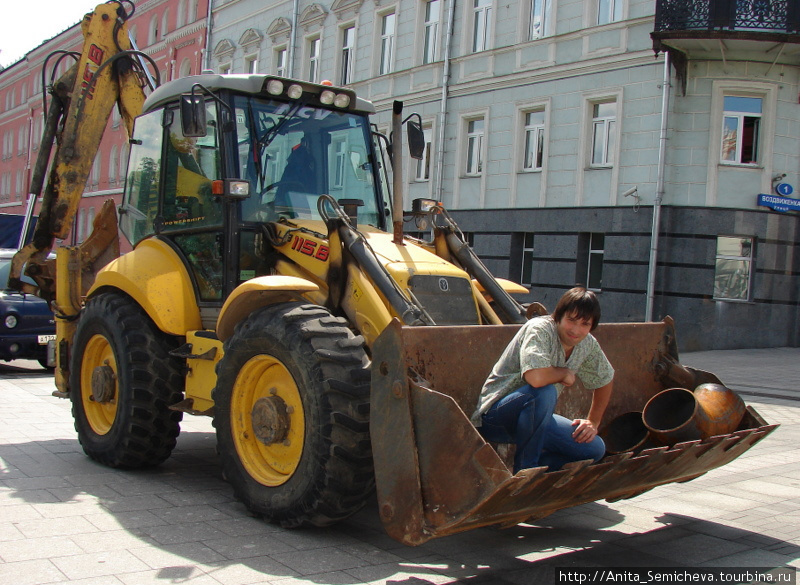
193	115
416	140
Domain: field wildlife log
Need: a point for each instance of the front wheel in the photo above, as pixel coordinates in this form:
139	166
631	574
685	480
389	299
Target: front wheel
291	410
122	382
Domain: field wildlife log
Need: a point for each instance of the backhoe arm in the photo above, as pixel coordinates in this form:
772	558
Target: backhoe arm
82	102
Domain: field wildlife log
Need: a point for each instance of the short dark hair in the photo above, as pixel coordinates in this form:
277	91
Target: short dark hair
581	302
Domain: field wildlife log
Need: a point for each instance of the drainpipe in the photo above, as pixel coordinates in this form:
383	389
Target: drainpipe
451	11
207	55
293	41
662	164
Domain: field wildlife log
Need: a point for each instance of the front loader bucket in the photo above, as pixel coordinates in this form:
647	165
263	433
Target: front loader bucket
436	475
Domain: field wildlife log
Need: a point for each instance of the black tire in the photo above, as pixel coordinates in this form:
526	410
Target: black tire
135	428
318	366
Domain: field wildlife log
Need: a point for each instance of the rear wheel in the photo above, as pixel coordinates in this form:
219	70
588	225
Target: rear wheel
291	409
122	381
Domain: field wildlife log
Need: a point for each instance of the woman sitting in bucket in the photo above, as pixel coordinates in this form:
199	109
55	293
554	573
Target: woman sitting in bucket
518	400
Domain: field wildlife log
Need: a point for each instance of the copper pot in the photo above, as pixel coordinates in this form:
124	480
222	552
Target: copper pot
724	408
676	415
671	416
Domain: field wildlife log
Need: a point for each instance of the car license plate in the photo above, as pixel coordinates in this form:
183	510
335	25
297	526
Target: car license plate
43	339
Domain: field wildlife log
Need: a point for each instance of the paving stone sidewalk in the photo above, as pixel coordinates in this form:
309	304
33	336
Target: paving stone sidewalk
65	519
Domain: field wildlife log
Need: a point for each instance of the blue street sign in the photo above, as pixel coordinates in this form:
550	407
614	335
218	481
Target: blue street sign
784	189
779	203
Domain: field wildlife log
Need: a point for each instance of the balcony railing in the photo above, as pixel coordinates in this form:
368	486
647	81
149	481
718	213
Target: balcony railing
773	16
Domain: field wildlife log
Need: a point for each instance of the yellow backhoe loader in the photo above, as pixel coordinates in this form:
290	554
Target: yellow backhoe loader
270	287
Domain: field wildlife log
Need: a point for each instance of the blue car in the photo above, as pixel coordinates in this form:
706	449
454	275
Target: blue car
27	324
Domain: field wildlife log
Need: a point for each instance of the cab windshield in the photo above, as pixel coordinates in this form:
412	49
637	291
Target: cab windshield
292	153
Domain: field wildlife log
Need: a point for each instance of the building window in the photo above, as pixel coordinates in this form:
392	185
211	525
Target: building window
740	128
432	17
424	164
594	272
540	18
313	59
534	141
152	35
95	175
387	43
181	19
527	259
251	64
604	132
225	69
475	129
348	51
280	62
609	11
113	165
165	24
482	24
733	268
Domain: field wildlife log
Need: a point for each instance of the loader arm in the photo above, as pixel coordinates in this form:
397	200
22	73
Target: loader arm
83	98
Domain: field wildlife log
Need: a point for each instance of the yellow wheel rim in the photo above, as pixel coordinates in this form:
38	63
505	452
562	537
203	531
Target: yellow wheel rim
100	415
270	464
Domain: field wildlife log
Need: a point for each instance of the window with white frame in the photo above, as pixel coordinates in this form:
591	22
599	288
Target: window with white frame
533	155
181	19
424	164
594	271
348	53
609	11
740	129
475	133
432	17
526	277
113	165
313	59
152	35
95	175
20	185
81	225
539	18
22	146
165	23
604	133
225	68
89	221
280	61
481	24
251	64
733	268
388	23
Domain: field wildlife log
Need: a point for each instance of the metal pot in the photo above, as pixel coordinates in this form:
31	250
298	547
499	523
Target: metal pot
676	415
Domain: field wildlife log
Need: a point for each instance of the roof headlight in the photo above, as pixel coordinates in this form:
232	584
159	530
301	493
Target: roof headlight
327	97
275	87
295	91
342	100
11	321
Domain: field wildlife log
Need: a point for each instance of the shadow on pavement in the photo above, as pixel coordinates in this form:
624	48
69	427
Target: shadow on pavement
184	514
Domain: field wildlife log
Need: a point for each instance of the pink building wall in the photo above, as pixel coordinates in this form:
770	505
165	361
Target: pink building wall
171	32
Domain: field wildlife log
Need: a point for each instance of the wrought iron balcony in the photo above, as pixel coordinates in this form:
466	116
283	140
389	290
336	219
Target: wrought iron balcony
766	31
747	16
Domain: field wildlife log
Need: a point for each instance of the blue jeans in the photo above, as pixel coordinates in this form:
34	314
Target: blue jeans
526	418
